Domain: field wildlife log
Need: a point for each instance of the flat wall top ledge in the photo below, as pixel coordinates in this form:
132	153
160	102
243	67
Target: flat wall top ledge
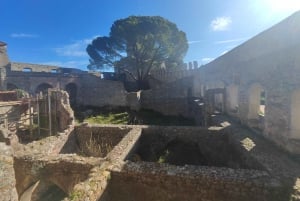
197	172
2	43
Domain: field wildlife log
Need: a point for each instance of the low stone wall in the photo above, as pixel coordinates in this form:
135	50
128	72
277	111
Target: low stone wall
98	141
95	186
169	99
98	92
142	180
65	171
116	177
152	181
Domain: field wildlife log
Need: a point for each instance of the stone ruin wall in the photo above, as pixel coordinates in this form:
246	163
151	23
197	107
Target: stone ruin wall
98	92
166	94
114	178
171	75
152	182
20	67
90	89
65	114
169	99
268	62
142	180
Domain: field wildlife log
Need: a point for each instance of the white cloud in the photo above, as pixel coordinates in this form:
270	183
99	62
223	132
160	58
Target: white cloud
231	40
75	49
23	35
221	23
195	41
206	60
72	63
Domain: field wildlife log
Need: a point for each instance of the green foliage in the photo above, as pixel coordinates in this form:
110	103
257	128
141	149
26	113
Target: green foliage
138	44
150	117
76	195
110	118
163	157
21	93
147	117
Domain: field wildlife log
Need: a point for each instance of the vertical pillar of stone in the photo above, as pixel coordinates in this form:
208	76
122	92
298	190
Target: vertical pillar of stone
195	64
190	65
4	61
185	66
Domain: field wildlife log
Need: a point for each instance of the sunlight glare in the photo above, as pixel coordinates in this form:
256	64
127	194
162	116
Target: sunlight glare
283	6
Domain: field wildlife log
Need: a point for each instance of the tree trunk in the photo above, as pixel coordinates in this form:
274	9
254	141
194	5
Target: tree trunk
143	84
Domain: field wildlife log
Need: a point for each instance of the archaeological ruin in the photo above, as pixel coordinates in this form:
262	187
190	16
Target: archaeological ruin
245	145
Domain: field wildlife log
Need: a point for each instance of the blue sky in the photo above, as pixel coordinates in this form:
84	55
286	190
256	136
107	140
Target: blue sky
57	31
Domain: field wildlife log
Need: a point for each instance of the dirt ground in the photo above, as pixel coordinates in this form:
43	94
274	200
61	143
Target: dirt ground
7	176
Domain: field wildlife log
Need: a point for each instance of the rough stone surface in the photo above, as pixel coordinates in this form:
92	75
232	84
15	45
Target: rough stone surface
269	60
169	99
7	176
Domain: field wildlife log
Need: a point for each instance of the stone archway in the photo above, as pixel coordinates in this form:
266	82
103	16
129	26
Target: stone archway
43	88
71	88
10	86
43	190
295	115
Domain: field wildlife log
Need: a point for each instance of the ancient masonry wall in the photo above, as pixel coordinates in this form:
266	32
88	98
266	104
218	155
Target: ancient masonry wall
164	182
21	67
98	92
155	181
170	98
65	115
267	63
116	178
90	90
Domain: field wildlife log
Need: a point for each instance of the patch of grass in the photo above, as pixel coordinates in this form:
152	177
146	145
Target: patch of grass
150	117
125	116
96	148
110	118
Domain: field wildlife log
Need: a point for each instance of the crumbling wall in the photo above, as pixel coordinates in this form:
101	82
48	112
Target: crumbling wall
98	92
270	60
16	66
64	113
148	181
64	171
98	142
169	99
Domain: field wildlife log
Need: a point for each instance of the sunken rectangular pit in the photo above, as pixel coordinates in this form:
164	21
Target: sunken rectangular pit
190	163
94	141
191	146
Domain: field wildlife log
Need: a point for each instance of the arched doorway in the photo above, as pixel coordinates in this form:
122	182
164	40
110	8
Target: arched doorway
295	115
11	86
43	190
43	88
71	88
